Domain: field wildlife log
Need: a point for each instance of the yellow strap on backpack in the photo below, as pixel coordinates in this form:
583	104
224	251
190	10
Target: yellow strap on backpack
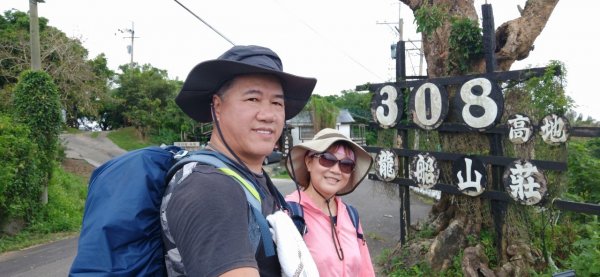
249	187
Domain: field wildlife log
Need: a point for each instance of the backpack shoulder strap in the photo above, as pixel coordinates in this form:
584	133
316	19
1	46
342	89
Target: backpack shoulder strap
249	189
251	193
297	215
353	213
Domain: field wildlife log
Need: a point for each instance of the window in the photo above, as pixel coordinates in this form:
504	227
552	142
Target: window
306	133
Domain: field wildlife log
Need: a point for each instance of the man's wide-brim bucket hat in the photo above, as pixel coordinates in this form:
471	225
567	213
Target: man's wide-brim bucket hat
207	77
320	143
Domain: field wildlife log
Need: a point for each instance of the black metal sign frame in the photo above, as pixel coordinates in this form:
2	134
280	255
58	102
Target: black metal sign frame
388	98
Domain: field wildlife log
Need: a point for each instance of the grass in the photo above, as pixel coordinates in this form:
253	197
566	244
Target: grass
128	139
58	219
280	175
26	239
71	130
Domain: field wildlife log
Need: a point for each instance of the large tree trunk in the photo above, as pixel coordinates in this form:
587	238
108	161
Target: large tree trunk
457	219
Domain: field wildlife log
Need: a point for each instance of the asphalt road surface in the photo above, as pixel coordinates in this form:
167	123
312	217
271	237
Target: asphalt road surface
378	206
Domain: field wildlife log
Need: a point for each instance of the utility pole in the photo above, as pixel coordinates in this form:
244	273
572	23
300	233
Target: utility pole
400	28
34	33
36	61
132	37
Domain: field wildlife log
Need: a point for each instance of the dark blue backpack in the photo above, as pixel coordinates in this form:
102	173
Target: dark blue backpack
297	215
121	232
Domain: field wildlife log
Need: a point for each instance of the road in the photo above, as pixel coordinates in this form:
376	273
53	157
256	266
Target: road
94	149
377	204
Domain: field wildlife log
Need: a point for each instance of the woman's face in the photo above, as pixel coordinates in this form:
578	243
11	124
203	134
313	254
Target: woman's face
329	180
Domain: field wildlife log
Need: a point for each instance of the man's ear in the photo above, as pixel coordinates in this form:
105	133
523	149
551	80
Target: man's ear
216	106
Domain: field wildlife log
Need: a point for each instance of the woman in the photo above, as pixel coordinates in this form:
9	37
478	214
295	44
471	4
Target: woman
324	168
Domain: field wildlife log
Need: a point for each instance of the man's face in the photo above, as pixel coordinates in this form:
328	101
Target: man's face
251	115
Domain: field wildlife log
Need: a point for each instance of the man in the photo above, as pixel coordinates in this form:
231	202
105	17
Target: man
248	97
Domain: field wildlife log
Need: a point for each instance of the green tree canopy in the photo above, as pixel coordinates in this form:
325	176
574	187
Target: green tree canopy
144	95
82	83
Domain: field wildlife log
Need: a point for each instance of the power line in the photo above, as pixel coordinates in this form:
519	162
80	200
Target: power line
328	41
205	23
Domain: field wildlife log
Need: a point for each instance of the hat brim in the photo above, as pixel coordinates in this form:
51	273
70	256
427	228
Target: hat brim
300	172
207	77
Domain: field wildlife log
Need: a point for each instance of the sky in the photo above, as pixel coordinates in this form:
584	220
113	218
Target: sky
341	43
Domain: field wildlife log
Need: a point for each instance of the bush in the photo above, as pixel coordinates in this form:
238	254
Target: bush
59	219
586	258
37	104
20	178
66	201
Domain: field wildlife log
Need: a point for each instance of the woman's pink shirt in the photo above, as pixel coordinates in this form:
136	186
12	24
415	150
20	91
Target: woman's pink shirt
357	261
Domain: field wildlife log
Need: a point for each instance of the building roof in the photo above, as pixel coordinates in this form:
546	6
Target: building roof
301	119
345	117
304	118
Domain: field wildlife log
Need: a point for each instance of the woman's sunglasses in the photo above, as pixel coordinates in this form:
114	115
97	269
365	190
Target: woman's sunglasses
328	160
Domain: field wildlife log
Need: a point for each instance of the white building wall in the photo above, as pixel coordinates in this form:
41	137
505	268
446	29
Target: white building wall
295	136
344	129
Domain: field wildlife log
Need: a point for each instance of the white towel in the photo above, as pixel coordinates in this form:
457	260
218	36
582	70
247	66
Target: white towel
294	256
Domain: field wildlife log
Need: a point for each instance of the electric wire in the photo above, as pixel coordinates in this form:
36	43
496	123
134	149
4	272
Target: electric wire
344	53
205	23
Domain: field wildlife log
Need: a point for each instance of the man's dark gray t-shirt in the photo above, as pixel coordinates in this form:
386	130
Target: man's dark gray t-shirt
208	219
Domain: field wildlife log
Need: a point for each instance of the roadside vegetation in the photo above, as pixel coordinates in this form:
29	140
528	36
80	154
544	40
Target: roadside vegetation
67	191
128	139
58	219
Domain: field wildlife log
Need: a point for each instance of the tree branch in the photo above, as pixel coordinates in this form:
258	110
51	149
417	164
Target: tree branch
515	38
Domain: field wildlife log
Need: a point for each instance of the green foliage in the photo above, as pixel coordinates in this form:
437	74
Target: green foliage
393	264
426	232
456	269
547	91
371	136
20	177
359	106
281	175
324	113
66	201
63	213
594	147
127	139
174	125
586	258
357	103
149	97
429	17
584	171
386	138
37	105
465	43
14	32
143	116
112	114
420	269
487	240
82	83
138	84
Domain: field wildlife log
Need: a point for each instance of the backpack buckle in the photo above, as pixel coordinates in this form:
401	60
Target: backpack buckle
180	154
